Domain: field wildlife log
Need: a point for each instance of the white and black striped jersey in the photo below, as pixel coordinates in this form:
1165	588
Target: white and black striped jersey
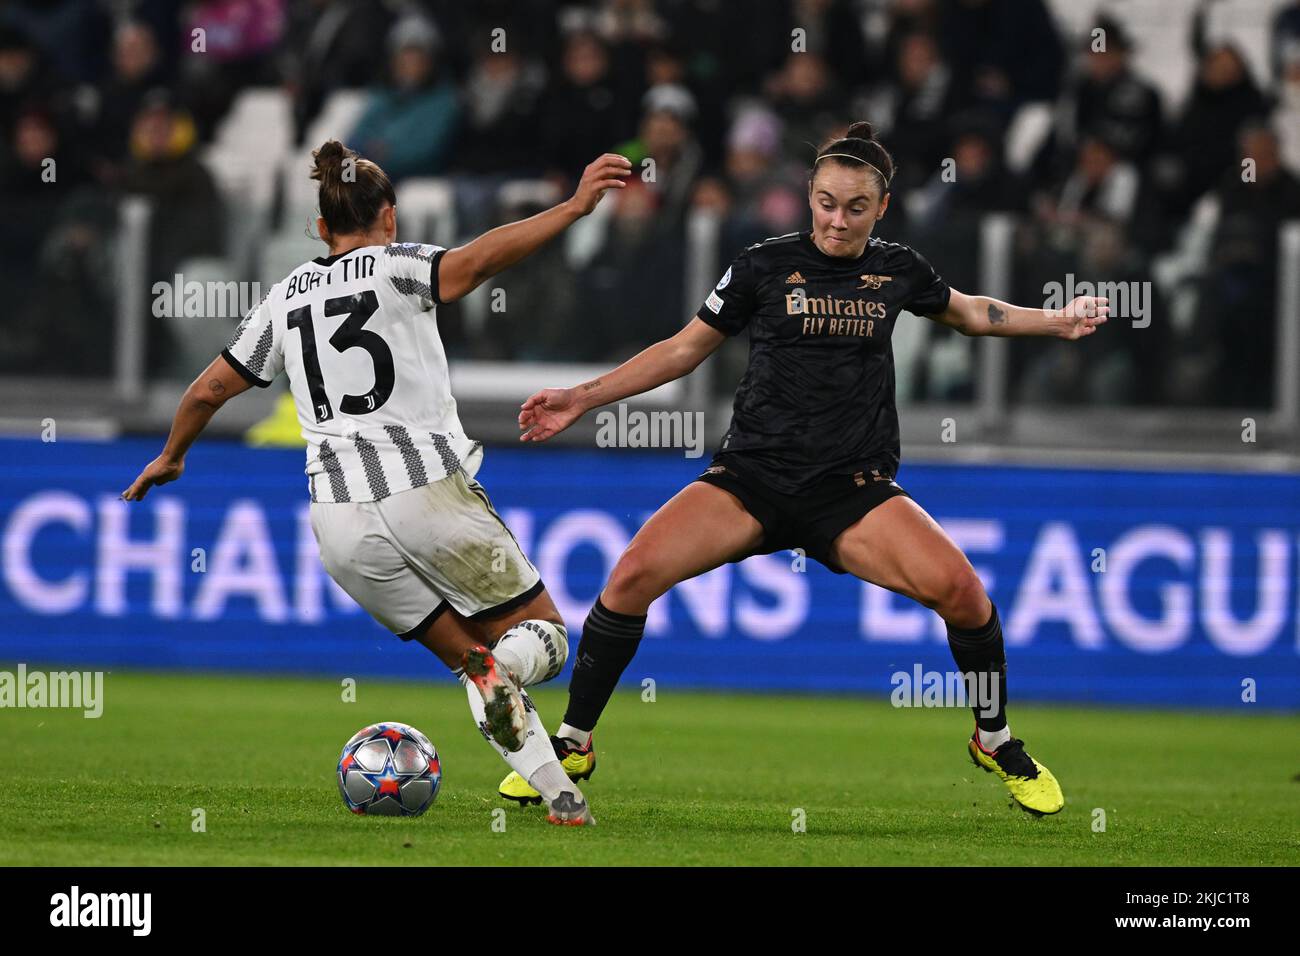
358	336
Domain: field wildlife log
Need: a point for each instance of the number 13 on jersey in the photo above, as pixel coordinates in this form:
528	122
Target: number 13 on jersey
351	334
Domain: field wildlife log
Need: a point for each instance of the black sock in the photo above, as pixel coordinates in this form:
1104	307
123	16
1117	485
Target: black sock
609	642
978	651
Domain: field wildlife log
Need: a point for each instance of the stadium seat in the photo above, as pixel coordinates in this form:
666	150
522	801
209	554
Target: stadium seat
199	338
427	211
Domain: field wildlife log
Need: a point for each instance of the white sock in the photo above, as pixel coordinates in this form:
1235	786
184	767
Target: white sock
991	740
534	651
550	781
579	737
536	752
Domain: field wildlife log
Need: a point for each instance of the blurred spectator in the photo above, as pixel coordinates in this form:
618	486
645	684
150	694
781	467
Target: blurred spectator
583	114
1109	99
408	127
69	32
955	200
887	24
1124	367
832	30
30	206
624	296
187	216
501	124
26	79
665	137
630	21
1286	113
135	70
1100	183
41	154
914	109
804	95
530	30
768	193
722	54
664	66
45	285
945	218
671	63
1236	318
544	277
1284	47
227	45
1003	53
331	45
1202	145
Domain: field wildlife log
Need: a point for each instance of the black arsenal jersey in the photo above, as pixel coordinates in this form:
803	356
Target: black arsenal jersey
818	395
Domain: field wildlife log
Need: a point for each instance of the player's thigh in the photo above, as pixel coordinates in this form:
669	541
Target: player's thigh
358	553
451	535
898	546
698	529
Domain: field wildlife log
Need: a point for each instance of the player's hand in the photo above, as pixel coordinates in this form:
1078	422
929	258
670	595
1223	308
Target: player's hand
1082	316
158	472
548	413
606	172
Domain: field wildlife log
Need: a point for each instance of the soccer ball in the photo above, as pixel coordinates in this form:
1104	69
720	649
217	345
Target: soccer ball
390	770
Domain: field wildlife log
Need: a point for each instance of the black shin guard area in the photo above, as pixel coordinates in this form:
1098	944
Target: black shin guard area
609	642
981	658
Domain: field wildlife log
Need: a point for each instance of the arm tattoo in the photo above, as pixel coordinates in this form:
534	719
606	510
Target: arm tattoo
996	315
216	387
590	385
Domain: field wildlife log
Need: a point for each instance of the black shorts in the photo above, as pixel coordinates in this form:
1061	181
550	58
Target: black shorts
811	520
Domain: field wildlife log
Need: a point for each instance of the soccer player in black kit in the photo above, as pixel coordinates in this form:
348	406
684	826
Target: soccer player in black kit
813	448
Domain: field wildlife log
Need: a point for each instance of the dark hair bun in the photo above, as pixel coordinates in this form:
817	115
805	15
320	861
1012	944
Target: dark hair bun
329	159
861	130
349	205
859	146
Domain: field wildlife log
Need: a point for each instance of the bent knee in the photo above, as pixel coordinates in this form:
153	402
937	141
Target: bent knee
962	598
636	578
958	593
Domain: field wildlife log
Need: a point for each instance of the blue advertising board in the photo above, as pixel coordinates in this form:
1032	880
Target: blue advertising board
1146	588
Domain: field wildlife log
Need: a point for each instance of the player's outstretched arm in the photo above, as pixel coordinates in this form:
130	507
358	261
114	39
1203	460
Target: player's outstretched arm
552	410
217	385
463	269
981	315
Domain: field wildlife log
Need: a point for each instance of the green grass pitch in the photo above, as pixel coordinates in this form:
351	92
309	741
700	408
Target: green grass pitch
691	778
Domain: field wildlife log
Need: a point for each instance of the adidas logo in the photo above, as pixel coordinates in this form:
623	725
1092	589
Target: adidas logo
795	279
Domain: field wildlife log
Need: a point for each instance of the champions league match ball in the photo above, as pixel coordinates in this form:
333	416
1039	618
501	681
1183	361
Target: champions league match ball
389	770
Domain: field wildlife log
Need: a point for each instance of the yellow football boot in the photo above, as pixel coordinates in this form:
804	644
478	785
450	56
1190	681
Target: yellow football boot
578	764
1031	784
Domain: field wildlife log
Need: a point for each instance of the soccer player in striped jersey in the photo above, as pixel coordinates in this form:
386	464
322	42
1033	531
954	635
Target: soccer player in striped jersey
813	449
402	524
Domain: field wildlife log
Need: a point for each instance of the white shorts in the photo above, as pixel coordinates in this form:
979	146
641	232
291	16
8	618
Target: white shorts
408	557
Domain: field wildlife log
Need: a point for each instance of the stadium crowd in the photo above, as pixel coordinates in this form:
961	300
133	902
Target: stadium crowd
712	91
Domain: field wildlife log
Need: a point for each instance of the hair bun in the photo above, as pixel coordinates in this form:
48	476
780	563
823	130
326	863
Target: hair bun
329	158
861	130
